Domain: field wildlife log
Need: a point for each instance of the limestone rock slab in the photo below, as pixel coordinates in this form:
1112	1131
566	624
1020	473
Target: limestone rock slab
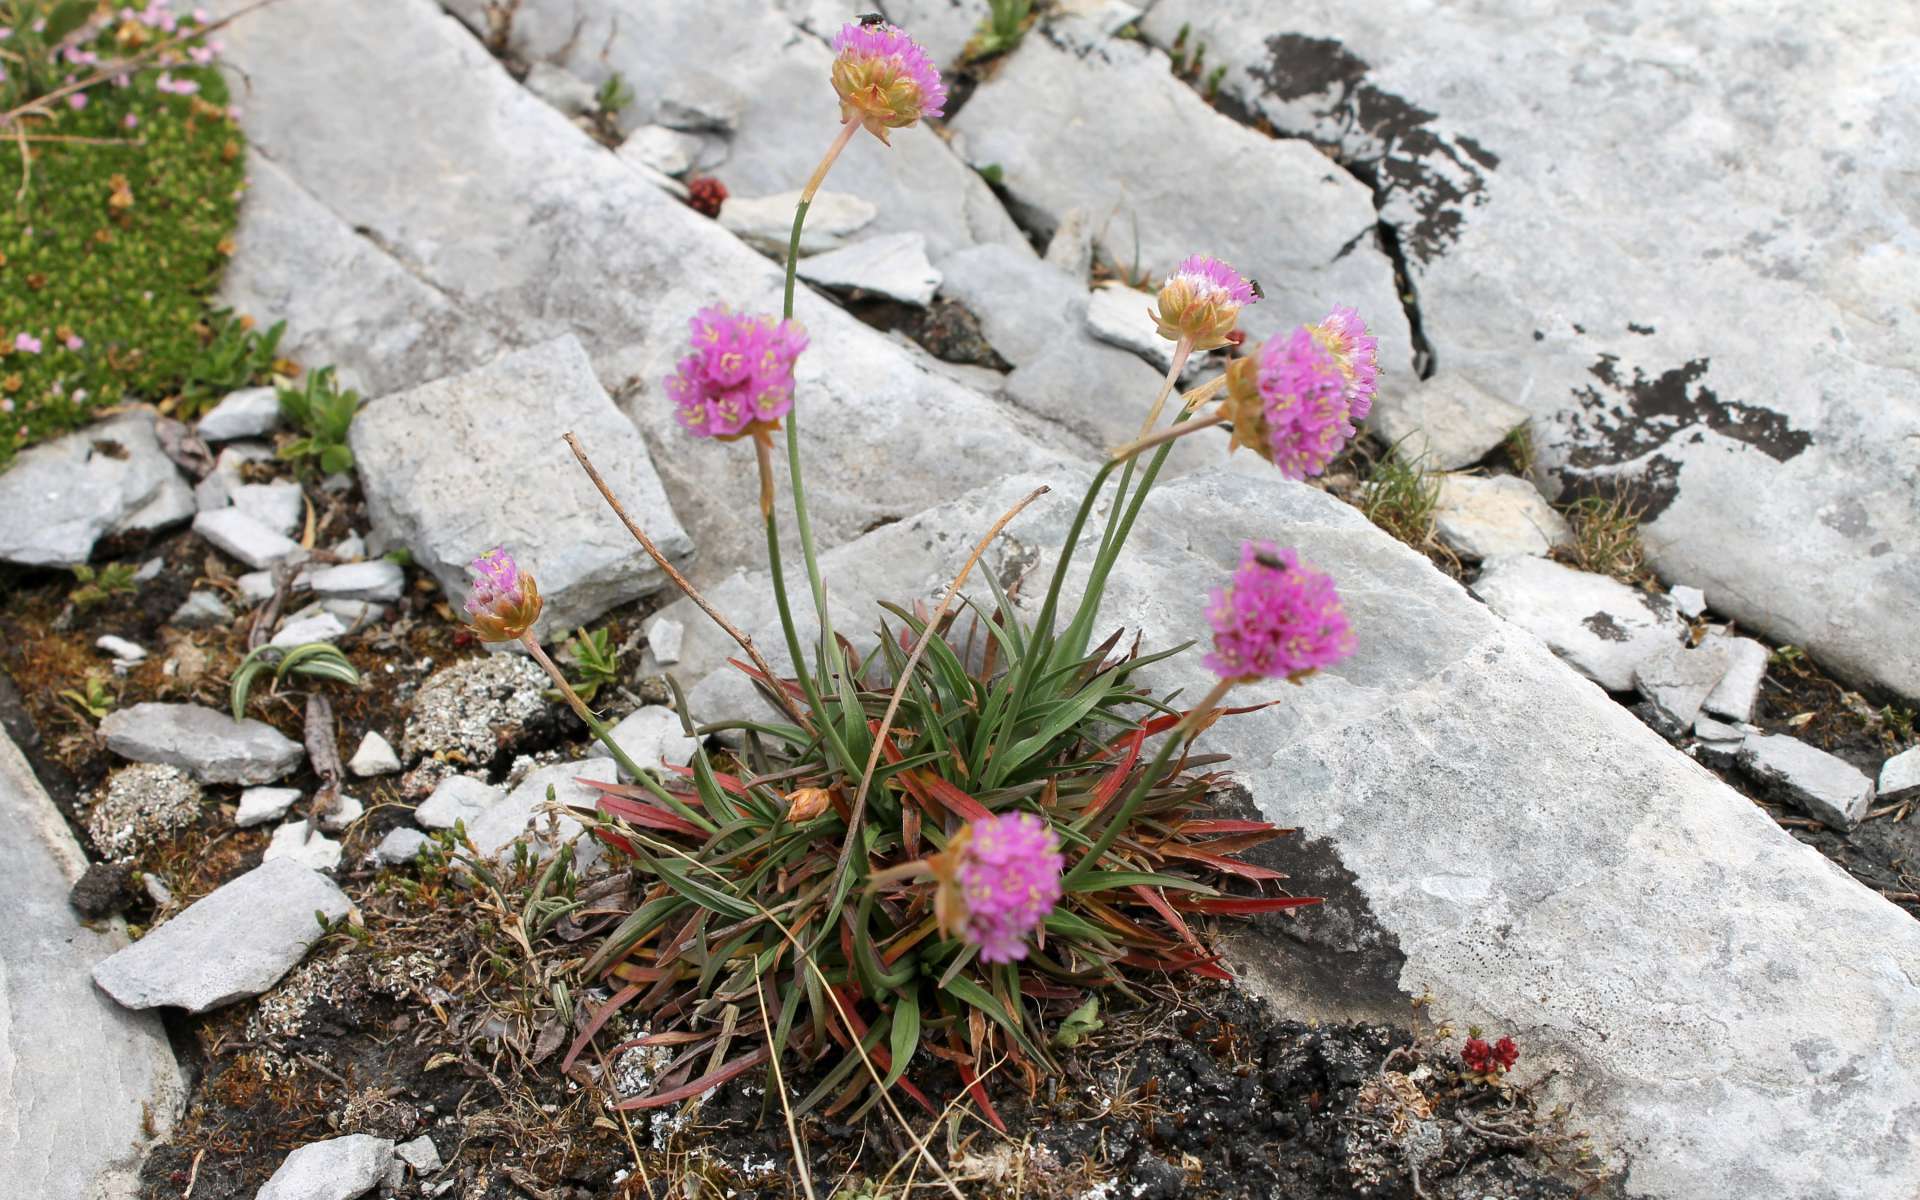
1485	517
64	495
893	266
497	828
1448	420
1599	625
1825	786
209	744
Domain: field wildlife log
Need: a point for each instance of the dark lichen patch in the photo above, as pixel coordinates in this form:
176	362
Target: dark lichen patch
1602	625
1396	150
1626	418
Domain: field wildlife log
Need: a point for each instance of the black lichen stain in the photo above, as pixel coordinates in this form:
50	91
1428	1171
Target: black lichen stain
1602	625
1621	420
1397	151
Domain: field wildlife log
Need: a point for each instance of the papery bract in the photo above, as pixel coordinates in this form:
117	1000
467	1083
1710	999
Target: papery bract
505	601
1202	300
1288	403
1277	618
1000	877
884	79
739	378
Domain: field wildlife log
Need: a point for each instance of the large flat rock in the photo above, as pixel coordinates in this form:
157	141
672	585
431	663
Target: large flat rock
206	743
111	477
1729	1013
458	466
84	1084
393	118
1683	239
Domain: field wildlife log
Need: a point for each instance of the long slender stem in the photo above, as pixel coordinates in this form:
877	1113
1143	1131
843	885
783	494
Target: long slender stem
777	569
1181	349
1141	786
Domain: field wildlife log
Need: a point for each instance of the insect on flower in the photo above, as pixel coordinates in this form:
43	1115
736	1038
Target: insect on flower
871	19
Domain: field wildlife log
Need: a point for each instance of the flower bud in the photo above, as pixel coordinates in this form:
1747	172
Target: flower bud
1202	300
804	804
505	602
884	79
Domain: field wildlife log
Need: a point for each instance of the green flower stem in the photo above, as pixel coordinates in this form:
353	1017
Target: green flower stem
1141	786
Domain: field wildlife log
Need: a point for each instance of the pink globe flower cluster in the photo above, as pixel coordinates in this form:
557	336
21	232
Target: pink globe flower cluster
1003	878
739	378
884	79
1294	402
1202	300
1278	618
1344	335
505	601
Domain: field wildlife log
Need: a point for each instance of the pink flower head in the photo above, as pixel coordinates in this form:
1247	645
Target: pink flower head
1277	618
75	341
1201	300
26	343
505	602
77	101
1289	404
884	79
1000	877
1344	335
739	378
132	121
177	87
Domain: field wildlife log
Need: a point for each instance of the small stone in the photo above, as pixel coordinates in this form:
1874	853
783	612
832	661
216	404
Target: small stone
342	1168
1490	517
234	943
1121	316
668	151
120	648
892	265
142	805
399	846
279	506
1830	789
293	843
767	221
156	890
506	821
244	538
262	804
305	627
211	745
345	811
256	586
248	413
1025	307
1448	420
374	757
701	101
104	891
457	798
1600	626
1071	247
202	610
665	637
561	88
1691	601
1900	776
377	580
62	496
475	708
1739	689
420	1154
650	737
150	570
1677	679
351	547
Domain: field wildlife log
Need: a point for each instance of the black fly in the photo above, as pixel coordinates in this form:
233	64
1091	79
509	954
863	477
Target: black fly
1272	561
871	19
1259	293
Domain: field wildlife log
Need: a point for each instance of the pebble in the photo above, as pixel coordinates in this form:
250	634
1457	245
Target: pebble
202	610
1900	776
62	496
1827	788
279	506
420	1154
244	538
457	798
766	222
893	265
231	944
352	547
650	736
1483	517
1678	679
374	757
506	821
1739	689
667	151
1691	601
342	1168
378	580
256	586
305	627
209	744
399	846
262	804
665	636
120	648
291	842
247	413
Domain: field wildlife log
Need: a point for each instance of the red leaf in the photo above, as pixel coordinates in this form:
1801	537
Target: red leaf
1110	786
1219	862
1206	828
791	688
712	1079
1242	905
1208	966
962	804
599	1018
728	783
979	1094
1159	905
650	815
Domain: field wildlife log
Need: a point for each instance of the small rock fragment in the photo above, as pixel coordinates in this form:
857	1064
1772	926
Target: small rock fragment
457	798
1691	601
227	946
374	757
1900	776
399	846
293	843
262	804
121	648
105	890
650	736
378	580
278	506
1678	679
1739	688
1448	419
420	1154
475	708
665	636
1122	316
342	1168
202	610
767	221
244	538
247	413
892	265
345	811
500	825
305	627
211	745
668	151
1830	789
1489	517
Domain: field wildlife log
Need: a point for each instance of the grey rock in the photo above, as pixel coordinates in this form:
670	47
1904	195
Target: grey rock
703	101
341	816
664	637
1070	249
942	27
1739	689
1601	627
1585	255
1678	679
342	1168
1829	789
150	570
262	804
457	798
1099	394
420	1154
650	737
1582	820
302	628
354	614
892	265
278	506
374	757
140	806
561	88
1449	419
210	745
429	462
668	151
1719	742
474	708
231	944
506	821
399	846
351	548
1278	210
1122	316
378	580
202	610
1900	775
1482	517
87	1085
63	496
120	648
1024	306
248	413
767	221
244	538
1691	601
294	842
256	586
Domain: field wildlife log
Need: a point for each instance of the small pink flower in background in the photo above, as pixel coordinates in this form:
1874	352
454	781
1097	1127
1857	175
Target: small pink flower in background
1344	335
26	343
201	54
1277	618
77	101
505	602
132	121
884	79
80	395
739	378
999	878
74	341
201	16
6	404
177	87
1201	300
1289	404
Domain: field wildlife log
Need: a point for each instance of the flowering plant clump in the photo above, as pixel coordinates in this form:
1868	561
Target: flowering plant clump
949	840
1489	1062
505	601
